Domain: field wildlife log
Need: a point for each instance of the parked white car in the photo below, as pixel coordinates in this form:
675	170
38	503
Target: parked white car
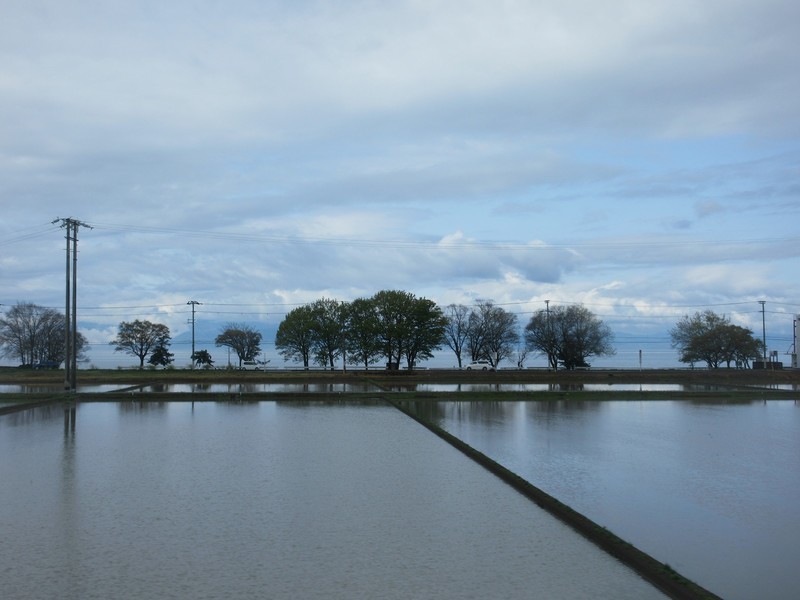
253	365
480	365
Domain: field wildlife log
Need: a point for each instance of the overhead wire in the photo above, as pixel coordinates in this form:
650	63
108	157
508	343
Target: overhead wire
29	233
441	244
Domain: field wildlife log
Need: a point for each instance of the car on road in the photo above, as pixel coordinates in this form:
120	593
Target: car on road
253	365
480	365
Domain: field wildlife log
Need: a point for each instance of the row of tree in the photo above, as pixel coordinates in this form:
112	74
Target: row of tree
145	338
394	327
711	338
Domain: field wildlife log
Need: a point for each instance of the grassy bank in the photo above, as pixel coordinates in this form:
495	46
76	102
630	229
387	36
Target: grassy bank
720	385
695	377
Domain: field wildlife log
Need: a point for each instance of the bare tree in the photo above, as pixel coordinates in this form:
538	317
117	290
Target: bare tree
568	335
493	333
522	356
456	329
35	334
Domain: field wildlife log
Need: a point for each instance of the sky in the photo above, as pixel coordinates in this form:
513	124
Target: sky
639	158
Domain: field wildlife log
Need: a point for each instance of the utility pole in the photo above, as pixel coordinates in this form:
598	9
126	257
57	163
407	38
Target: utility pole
763	331
71	303
194	303
549	336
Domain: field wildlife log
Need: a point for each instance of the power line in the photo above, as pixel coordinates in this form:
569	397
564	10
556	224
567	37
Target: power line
44	229
431	244
29	233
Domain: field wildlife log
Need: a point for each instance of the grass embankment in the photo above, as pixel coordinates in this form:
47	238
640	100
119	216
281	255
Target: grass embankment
728	377
701	384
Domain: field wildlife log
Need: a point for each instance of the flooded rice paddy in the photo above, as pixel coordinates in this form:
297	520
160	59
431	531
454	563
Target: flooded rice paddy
273	500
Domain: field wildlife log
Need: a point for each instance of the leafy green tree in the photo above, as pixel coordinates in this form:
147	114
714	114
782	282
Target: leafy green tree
456	330
407	327
391	306
568	335
294	337
328	321
34	333
242	339
139	338
711	338
424	331
161	357
202	358
362	332
740	346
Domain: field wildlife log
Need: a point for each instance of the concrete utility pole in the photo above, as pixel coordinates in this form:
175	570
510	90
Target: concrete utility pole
71	304
194	303
549	336
763	331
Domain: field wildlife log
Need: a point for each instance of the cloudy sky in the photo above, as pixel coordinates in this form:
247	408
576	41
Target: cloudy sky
640	158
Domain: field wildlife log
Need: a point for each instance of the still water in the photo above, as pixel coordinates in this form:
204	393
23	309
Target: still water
542	387
224	388
711	489
272	500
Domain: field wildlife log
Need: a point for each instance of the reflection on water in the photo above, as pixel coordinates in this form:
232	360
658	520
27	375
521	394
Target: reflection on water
141	407
262	388
272	500
709	487
542	387
224	388
22	388
48	412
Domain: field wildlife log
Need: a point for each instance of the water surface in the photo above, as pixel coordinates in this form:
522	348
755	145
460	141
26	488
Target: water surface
272	500
710	488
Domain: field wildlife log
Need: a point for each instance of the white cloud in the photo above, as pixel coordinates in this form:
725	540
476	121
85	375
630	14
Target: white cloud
268	153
